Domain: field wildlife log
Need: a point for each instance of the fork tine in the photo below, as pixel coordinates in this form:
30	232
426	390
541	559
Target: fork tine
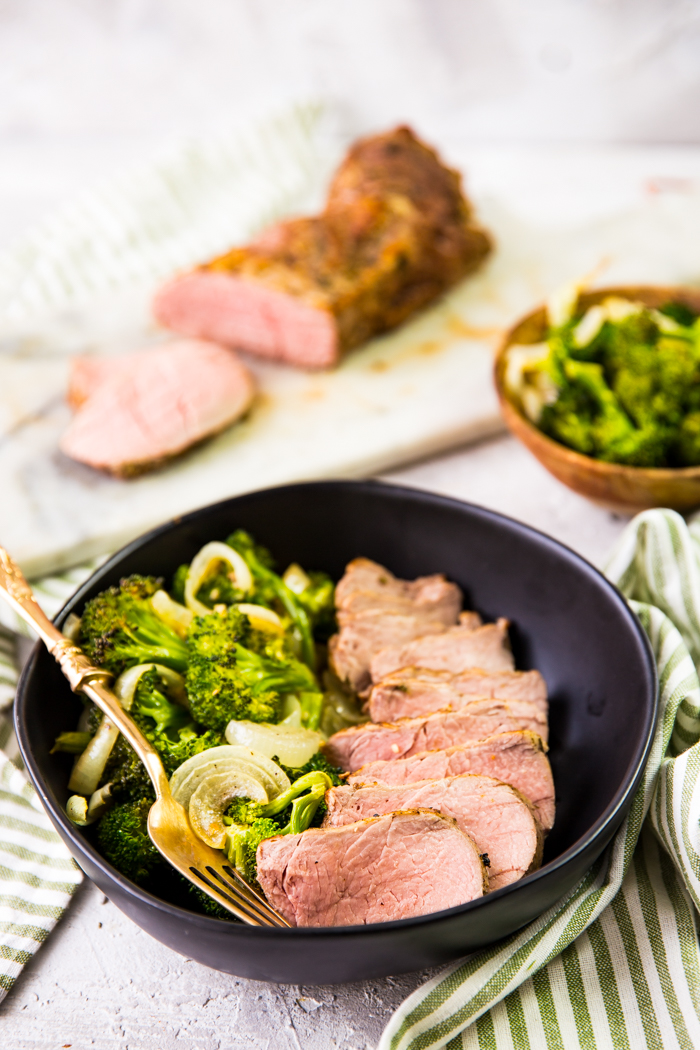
242	886
254	909
253	900
232	899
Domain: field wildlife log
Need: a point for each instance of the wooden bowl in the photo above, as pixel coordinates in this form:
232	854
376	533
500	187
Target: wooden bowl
614	486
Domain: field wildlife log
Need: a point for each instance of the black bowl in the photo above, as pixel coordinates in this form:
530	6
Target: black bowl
567	620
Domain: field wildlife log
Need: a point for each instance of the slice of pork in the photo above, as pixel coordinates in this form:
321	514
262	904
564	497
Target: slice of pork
88	373
355	747
413	691
455	649
170	397
394	867
494	815
376	610
366	584
516	758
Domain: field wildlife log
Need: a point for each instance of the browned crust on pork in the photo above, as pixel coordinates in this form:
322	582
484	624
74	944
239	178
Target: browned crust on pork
397	232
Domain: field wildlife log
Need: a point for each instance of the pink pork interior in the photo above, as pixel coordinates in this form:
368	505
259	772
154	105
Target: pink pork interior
248	316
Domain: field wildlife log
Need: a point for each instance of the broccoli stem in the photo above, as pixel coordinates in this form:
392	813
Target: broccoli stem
242	840
311	709
292	606
71	743
316	782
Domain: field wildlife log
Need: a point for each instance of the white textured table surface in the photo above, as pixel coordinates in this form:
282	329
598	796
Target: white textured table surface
101	982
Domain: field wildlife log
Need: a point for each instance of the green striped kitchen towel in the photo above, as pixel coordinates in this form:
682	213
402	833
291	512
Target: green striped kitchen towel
37	875
615	963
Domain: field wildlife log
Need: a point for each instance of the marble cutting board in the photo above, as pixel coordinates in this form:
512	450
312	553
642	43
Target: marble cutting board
422	389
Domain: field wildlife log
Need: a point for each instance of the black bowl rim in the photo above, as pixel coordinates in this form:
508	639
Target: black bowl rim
617	804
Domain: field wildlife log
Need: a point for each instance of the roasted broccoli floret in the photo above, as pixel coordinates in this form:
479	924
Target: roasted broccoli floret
271	590
649	372
631	395
169	727
294	804
122	835
678	312
127	774
687	444
119	628
289	814
236	672
242	844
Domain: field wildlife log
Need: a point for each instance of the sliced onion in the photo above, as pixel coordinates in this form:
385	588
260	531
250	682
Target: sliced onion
174	684
562	303
178	617
520	357
230	766
211	799
296	579
76	810
202	563
99	803
340	707
618	309
82	812
187	777
291	712
589	326
293	747
71	627
88	769
262	619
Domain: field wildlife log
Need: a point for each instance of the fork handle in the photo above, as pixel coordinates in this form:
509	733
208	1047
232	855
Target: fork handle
82	676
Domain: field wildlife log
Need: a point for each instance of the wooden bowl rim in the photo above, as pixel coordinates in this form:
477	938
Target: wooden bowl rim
650	295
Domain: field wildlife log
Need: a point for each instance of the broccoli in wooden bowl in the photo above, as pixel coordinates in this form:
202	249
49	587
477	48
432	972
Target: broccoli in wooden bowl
603	387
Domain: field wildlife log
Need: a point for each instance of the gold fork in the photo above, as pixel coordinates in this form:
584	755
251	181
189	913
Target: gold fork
168	823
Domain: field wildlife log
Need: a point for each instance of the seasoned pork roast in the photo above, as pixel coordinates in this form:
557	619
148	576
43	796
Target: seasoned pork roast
455	649
376	610
396	232
154	405
517	758
355	747
414	691
394	867
494	815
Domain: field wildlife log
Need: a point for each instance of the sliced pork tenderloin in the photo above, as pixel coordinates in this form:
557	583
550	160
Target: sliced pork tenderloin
167	399
413	691
396	866
88	373
368	585
455	649
375	610
517	758
352	748
494	815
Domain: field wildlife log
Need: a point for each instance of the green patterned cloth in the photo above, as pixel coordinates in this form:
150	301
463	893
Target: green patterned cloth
615	964
37	875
